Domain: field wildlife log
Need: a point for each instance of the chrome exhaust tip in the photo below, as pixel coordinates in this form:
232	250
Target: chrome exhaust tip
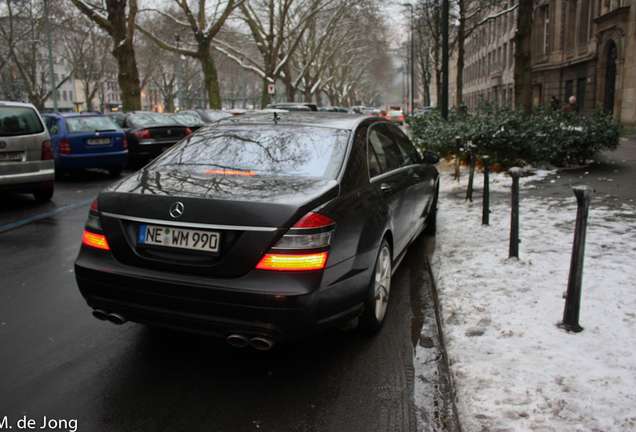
238	341
262	343
100	314
117	319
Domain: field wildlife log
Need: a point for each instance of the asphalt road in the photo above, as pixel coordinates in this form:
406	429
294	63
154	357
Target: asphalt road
61	368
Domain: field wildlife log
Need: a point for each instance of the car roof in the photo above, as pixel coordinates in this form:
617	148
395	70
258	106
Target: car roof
20	104
73	114
299	118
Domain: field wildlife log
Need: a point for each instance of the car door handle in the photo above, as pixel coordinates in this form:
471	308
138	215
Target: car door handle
385	187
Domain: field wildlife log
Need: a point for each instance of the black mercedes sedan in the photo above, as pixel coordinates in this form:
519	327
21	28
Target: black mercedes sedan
148	133
261	228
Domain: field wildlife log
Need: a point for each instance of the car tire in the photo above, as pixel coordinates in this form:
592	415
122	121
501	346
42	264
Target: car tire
115	171
43	194
377	300
431	218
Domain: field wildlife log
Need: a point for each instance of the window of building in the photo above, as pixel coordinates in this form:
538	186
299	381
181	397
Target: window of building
504	56
70	95
511	53
64	95
586	12
546	29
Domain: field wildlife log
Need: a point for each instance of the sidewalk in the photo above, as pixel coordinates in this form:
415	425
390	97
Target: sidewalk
513	369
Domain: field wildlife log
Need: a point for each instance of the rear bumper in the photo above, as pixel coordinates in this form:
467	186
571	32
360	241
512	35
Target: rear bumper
91	160
26	175
278	305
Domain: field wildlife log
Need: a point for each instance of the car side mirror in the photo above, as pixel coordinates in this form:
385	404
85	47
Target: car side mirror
430	157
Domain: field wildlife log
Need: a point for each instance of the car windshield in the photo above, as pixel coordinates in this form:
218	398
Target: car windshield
259	151
15	120
89	124
148	119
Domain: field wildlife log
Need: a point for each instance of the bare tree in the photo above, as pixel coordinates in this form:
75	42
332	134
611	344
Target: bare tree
117	18
205	22
87	48
22	32
523	57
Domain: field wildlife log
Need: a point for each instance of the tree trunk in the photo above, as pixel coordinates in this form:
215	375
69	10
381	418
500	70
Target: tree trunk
210	78
523	57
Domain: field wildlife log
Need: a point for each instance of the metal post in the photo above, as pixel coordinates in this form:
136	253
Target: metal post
573	297
485	219
177	38
471	176
515	173
48	37
458	148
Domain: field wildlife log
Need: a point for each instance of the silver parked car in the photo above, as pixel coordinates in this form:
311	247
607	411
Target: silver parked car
26	153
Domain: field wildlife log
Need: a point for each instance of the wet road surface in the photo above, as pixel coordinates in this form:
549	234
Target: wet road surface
58	364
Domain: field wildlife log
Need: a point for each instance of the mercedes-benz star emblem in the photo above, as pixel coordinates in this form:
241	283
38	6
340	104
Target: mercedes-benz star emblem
3	144
176	210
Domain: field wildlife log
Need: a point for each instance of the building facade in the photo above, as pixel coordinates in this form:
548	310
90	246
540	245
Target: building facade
581	48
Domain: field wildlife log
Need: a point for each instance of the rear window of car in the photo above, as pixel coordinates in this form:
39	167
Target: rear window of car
148	119
259	151
89	124
16	120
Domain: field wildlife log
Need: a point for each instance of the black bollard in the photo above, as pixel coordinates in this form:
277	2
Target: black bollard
471	176
485	219
515	173
458	149
573	297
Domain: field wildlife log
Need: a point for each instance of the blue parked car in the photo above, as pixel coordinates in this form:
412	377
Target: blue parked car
86	140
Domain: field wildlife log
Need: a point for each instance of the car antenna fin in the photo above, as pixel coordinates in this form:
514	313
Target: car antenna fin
276	118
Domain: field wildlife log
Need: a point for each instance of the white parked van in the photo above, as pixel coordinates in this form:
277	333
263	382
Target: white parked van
26	154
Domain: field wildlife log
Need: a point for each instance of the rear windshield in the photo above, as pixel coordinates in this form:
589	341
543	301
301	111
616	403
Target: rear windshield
258	150
148	119
16	120
89	124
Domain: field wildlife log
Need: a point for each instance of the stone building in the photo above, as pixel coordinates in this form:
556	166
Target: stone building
582	48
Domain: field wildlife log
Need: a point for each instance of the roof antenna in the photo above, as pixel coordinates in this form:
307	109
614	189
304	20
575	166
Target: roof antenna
276	118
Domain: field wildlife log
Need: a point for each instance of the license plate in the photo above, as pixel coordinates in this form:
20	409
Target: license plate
11	156
207	241
98	141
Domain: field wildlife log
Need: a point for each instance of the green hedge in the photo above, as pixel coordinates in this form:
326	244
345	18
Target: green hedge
512	139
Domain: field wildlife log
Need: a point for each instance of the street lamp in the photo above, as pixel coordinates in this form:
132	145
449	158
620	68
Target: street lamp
412	59
177	38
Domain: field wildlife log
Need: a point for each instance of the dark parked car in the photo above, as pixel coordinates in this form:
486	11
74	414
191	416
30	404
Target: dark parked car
261	228
193	122
86	140
209	115
293	106
149	134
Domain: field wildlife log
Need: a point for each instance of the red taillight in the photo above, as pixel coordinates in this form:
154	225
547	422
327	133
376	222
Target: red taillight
95	240
314	220
125	145
143	134
188	131
65	147
401	117
304	247
94	205
47	150
388	117
287	262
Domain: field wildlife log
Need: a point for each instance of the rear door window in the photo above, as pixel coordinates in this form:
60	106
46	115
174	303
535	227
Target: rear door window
15	120
387	152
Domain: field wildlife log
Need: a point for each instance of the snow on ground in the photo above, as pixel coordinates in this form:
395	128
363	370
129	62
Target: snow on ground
512	367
